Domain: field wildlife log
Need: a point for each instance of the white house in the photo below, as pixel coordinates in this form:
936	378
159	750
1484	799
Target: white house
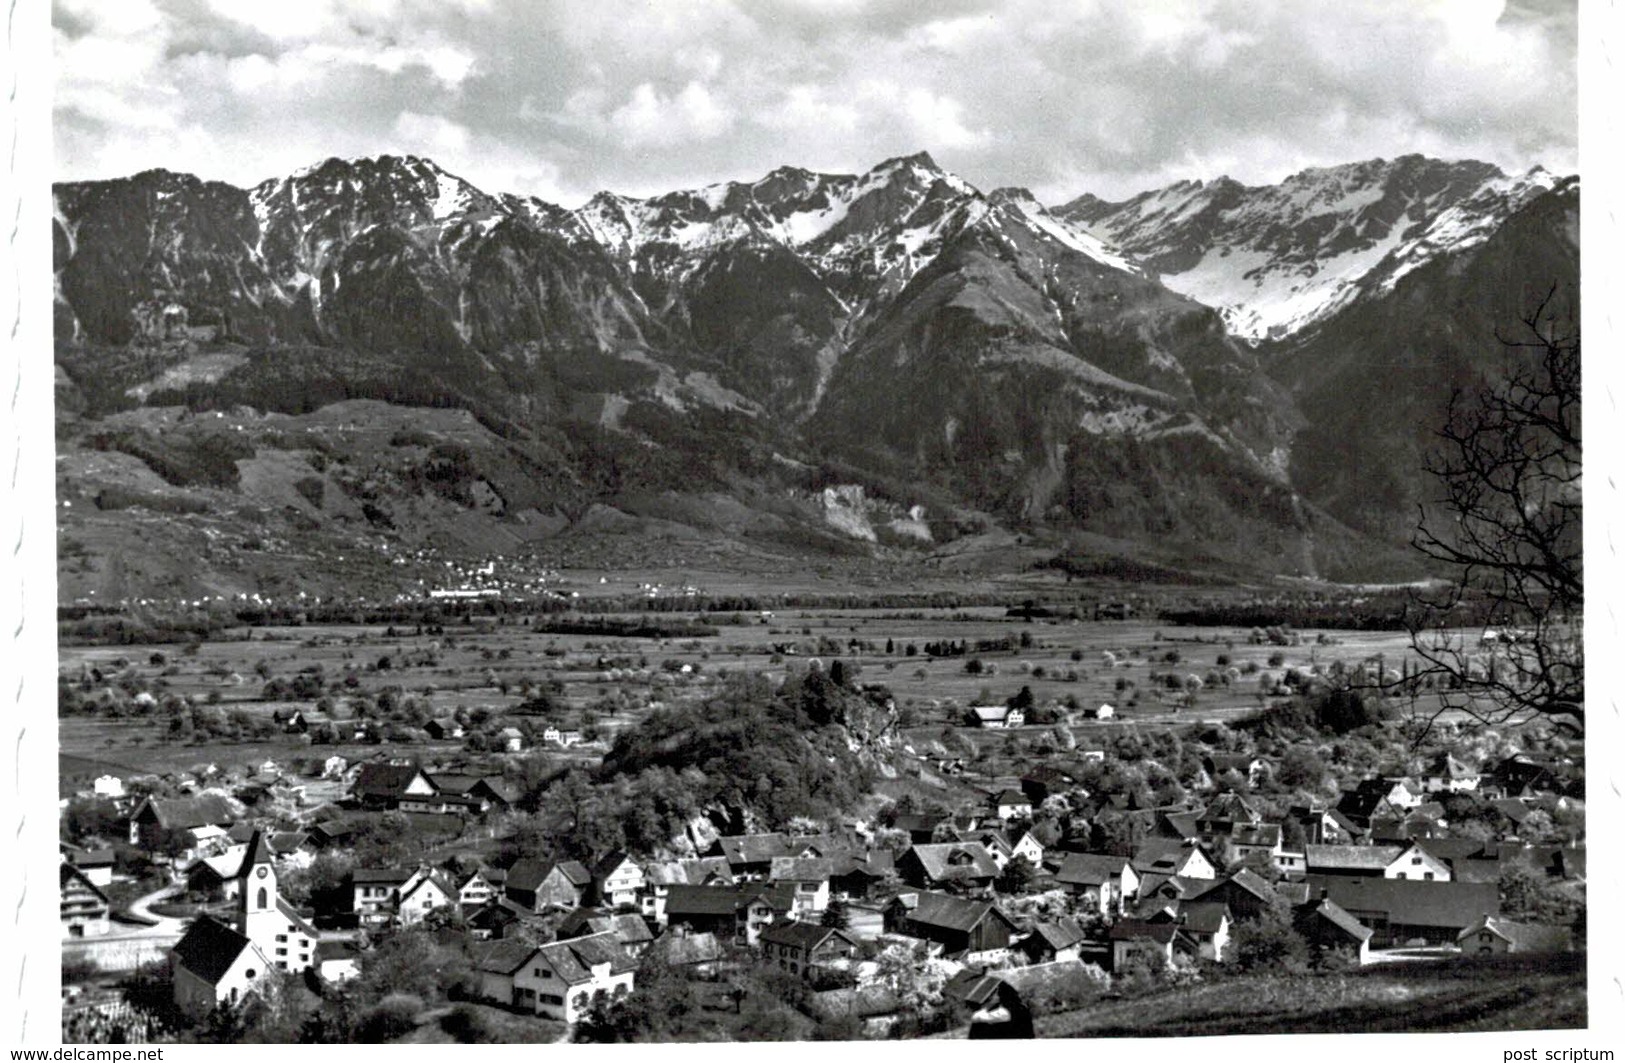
998	716
421	894
560	981
618	879
1415	862
108	786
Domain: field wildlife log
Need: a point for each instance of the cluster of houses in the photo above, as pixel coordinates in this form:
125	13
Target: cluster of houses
1373	871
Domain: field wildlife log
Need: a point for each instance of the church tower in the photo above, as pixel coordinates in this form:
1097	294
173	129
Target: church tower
273	925
259	919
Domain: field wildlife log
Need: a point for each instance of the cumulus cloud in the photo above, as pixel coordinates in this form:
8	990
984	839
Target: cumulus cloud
573	96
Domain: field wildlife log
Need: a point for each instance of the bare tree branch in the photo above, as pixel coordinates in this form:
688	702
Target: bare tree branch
1501	639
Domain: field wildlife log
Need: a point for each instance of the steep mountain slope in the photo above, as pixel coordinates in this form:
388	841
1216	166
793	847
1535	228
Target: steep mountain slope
837	356
1277	259
1372	382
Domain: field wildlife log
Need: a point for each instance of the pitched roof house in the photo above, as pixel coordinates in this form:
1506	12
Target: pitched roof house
1059	940
1165	856
561	980
86	911
1326	924
799	947
962	864
1491	935
1402	910
214	964
958	925
386	786
155	816
997	716
539	884
1105	882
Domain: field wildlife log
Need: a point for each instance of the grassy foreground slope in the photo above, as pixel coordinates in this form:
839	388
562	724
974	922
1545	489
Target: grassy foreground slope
1471	994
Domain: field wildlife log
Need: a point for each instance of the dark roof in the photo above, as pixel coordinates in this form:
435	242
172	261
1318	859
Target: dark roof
1139	929
1456	848
258	852
609	863
1090	869
1061	934
628	928
1245	879
337	950
1338	917
450	783
181	813
805	936
703	900
209	949
1409	901
1525	937
72	871
974	987
1361	804
1163	855
92	857
499	788
1268	834
754	848
494	913
385	780
952	913
918	822
1011	797
573	960
1511	808
503	957
1181	825
528	874
380	876
286	841
943	860
1232	807
1351	857
1204	917
1241	762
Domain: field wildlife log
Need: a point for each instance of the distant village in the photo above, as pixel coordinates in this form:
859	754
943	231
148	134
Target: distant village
256	880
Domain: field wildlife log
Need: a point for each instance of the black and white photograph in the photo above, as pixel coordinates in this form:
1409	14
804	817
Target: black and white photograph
783	520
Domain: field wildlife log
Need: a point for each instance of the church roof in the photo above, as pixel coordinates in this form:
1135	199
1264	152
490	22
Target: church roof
259	852
210	948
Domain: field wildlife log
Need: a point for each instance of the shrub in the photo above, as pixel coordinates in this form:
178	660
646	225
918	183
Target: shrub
391	1017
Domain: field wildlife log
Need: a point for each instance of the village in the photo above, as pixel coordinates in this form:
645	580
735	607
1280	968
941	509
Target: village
1081	865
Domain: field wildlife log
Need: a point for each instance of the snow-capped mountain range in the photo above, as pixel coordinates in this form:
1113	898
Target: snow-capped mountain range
1092	363
1280	258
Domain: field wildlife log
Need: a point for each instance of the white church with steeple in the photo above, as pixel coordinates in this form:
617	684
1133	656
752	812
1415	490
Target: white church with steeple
216	964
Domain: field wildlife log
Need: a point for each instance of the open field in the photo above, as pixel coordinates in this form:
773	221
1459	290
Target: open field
1473	993
936	662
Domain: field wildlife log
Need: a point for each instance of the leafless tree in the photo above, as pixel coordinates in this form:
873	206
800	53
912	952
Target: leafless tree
1501	640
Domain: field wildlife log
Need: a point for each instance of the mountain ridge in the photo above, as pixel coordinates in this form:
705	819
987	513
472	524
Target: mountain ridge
1045	369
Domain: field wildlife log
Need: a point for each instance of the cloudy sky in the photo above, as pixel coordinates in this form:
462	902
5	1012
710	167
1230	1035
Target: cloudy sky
561	98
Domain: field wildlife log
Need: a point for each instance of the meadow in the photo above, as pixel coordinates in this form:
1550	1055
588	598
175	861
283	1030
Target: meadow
936	663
